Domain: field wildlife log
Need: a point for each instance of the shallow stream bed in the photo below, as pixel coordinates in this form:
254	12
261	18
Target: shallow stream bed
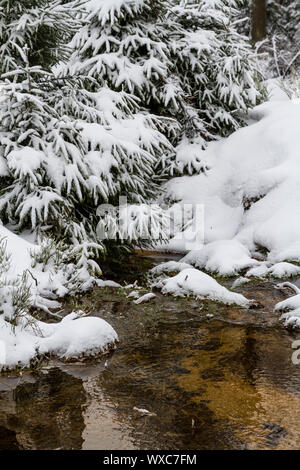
211	377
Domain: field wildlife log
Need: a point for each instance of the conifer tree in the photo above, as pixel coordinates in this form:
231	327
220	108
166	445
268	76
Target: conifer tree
182	59
215	65
124	45
43	26
64	149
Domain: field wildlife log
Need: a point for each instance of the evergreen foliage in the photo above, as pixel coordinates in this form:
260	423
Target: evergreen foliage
183	60
66	149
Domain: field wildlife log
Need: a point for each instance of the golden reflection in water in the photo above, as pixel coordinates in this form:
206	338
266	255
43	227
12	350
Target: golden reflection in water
248	399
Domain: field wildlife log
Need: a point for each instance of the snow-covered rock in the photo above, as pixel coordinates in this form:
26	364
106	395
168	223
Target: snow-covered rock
194	282
133	294
75	336
292	303
291	306
291	319
240	281
69	338
278	270
101	283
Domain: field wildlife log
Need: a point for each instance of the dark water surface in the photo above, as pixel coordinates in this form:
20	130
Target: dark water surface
213	377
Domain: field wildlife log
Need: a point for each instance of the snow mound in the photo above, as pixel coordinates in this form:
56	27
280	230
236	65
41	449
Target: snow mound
70	338
194	282
224	257
292	303
251	193
101	283
18	250
278	270
73	337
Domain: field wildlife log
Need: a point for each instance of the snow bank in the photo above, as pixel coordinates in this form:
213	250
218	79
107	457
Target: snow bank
49	272
251	194
19	251
30	279
194	282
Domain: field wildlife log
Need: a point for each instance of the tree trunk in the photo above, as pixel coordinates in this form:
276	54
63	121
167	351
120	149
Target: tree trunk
258	20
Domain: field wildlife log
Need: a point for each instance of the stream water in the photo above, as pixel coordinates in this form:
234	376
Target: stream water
211	376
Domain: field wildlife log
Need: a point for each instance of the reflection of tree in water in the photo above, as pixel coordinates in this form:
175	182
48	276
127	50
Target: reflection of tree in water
47	414
250	358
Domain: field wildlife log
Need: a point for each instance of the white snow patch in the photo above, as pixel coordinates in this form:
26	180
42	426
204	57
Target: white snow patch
101	283
135	294
145	298
240	281
224	257
143	411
